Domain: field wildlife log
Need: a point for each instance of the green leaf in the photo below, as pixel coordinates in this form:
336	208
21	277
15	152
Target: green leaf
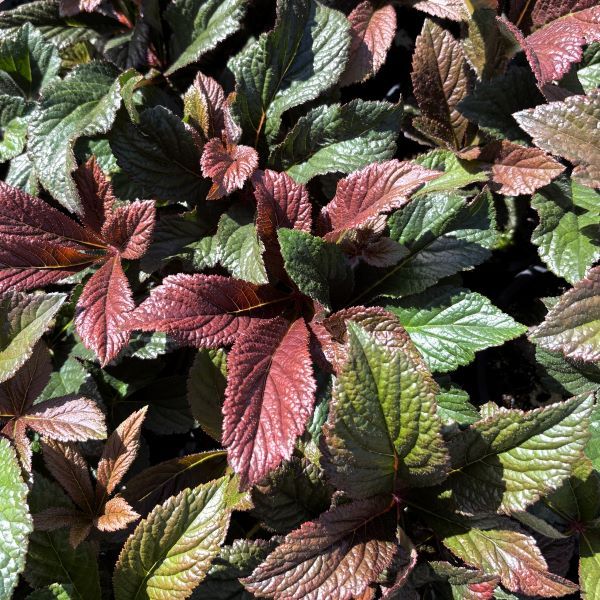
339	139
568	235
31	62
71	378
292	495
444	233
492	104
206	384
21	174
14	138
589	563
453	404
199	25
51	558
56	591
510	459
233	563
457	173
448	325
314	265
171	551
300	58
85	102
239	248
566	376
383	431
23	320
15	519
572	326
45	16
592	449
159	153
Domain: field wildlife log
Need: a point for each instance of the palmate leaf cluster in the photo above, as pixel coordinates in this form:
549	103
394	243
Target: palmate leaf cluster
251	296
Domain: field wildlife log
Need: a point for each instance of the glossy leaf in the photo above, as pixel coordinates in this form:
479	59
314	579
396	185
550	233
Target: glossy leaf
339	554
440	81
448	325
303	55
339	138
569	129
400	443
374	190
203	310
573	325
568	235
269	396
24	318
170	551
372	30
15	518
199	26
489	456
84	103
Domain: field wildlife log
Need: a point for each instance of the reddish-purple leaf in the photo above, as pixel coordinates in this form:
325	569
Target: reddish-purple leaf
372	32
337	556
519	169
102	309
544	11
70	469
441	80
117	515
79	532
119	452
552	49
280	202
228	165
367	193
570	129
129	228
269	396
16	431
95	193
68	8
56	517
18	394
67	419
206	311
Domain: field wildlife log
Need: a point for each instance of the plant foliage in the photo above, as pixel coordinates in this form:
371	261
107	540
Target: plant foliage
299	299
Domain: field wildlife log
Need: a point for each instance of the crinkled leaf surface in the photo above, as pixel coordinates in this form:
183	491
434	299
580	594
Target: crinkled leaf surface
84	103
365	194
204	310
589	563
156	484
383	431
315	265
31	62
15	518
448	325
510	459
159	153
499	547
372	31
445	233
440	81
339	138
571	129
568	235
199	25
269	396
171	551
338	555
573	325
24	318
300	58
